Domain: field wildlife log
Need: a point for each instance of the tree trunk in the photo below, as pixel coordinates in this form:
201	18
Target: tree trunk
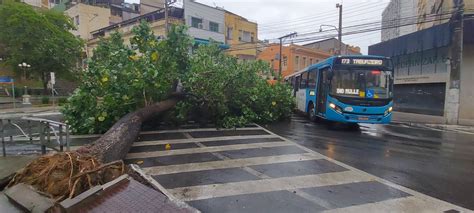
44	78
115	143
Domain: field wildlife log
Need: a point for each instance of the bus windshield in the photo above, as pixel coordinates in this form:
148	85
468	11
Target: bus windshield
362	83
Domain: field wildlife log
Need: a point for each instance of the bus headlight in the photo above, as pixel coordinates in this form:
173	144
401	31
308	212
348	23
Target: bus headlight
335	107
388	111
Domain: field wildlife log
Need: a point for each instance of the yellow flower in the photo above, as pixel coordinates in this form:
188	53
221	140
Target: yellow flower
274	103
134	57
101	118
154	56
125	97
105	79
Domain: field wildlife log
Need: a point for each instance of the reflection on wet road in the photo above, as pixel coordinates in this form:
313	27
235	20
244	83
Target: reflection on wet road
437	163
253	170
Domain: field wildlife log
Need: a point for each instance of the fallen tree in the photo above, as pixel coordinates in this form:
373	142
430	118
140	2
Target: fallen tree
115	143
65	175
126	86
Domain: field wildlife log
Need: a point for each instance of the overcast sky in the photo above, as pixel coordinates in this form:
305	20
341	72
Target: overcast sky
277	17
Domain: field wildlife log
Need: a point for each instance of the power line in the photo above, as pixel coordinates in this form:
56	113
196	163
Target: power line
277	28
349	33
305	20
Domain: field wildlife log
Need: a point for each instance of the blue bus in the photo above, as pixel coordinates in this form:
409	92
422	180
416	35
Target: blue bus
346	89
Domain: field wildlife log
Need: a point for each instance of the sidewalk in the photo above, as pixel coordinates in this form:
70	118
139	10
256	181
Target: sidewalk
404	117
27	111
429	121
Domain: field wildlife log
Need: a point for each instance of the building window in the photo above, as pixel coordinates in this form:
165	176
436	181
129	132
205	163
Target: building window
310	61
196	22
252	38
230	31
304	61
213	26
245	36
297	62
285	61
240	35
77	19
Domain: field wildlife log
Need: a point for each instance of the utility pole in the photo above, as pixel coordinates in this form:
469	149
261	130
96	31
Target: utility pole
281	46
453	99
167	4
340	28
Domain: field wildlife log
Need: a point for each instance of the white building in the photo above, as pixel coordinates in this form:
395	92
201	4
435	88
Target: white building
205	22
399	18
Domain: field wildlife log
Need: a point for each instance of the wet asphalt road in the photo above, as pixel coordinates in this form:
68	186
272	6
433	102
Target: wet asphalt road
436	163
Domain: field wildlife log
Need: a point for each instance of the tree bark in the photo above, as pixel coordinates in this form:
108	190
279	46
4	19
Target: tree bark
116	143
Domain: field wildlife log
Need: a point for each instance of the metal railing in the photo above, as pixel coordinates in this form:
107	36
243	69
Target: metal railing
45	129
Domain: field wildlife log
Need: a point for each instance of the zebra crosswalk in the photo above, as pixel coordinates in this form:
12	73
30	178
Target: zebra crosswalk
253	170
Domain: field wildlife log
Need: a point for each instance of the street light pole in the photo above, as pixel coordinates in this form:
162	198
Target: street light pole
24	66
281	47
340	28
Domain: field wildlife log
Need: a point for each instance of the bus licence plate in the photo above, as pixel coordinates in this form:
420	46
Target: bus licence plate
363	118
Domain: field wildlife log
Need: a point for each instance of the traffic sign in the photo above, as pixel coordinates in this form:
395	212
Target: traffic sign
53	78
6	80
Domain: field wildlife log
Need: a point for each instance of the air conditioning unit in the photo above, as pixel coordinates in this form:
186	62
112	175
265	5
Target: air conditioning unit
200	26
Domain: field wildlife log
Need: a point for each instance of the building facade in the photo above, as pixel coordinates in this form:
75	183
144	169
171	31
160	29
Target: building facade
332	45
436	12
205	22
88	18
241	35
124	11
156	20
148	6
396	18
294	57
423	62
414	15
37	3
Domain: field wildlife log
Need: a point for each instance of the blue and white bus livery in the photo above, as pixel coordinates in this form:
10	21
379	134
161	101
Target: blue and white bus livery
346	89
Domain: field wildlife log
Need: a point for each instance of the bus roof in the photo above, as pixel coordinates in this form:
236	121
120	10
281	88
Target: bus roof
330	61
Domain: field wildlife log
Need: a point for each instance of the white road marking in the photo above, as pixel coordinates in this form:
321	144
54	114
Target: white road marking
196	140
417	203
198	130
409	204
267	185
206	149
375	178
46	114
231	163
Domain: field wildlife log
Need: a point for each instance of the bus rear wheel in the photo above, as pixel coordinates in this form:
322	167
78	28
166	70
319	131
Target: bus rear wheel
312	113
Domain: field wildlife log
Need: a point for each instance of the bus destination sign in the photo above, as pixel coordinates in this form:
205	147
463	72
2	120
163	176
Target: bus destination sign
358	61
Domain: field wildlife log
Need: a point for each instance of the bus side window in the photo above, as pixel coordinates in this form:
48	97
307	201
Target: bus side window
312	79
304	80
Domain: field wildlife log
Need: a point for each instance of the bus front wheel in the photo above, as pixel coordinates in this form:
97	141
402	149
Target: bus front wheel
312	113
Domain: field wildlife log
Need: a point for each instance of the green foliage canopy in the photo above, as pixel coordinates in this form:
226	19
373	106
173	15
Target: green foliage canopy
40	38
121	79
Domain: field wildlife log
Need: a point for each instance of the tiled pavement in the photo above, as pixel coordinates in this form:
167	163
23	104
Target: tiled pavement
254	170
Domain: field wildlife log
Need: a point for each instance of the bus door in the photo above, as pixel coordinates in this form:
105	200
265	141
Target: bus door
301	93
322	91
294	86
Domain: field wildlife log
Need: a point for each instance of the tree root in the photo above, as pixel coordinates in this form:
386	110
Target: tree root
62	175
65	175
